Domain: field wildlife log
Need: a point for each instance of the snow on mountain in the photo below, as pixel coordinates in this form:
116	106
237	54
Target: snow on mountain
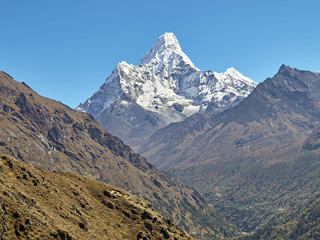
166	85
166	47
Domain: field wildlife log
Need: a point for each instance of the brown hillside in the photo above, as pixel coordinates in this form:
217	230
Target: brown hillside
39	204
48	134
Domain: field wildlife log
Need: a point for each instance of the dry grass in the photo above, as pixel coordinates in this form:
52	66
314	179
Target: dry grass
39	204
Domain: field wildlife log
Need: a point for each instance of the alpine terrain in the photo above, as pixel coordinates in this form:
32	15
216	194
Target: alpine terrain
257	161
48	134
135	101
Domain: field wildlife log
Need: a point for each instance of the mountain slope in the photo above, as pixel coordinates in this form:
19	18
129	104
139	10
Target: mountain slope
249	160
281	110
165	88
39	204
48	134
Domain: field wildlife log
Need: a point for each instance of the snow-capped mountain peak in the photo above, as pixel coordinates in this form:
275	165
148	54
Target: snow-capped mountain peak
167	40
233	72
135	101
166	49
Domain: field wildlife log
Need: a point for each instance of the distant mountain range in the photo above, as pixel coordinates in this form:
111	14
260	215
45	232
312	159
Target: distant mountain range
135	101
254	158
45	133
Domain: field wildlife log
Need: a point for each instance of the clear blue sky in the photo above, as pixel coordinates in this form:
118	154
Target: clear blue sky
65	49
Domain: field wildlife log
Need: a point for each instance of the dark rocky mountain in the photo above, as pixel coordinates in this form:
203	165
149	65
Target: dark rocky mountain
249	160
45	133
39	204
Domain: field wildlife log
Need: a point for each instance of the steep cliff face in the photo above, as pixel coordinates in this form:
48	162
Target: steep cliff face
48	134
165	88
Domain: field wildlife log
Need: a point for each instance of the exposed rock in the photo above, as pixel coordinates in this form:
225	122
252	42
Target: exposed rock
63	235
83	225
146	215
16	215
165	233
108	204
148	226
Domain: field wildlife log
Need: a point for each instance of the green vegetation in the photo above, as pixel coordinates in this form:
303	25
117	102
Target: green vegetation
253	195
304	226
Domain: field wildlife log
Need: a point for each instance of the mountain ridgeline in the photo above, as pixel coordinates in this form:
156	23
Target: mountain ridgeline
254	158
135	101
45	133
